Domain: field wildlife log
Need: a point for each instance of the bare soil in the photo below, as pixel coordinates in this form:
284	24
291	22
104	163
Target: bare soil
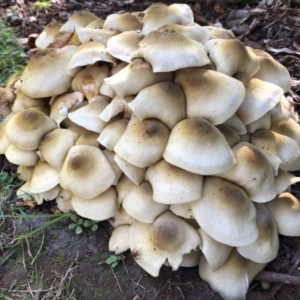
63	253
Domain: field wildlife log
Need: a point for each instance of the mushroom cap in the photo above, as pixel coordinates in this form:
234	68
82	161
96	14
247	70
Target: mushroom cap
183	53
183	210
44	177
219	33
26	129
96	24
61	105
159	14
4	142
26	194
23	102
121	217
197	146
21	157
79	19
264	122
89	80
230	134
38	81
252	172
63	201
215	252
261	96
119	240
226	213
111	133
167	103
136	76
231	56
124	45
24	173
276	147
48	34
169	237
266	247
123	187
236	124
143	142
140	205
135	174
272	71
285	210
122	22
192	31
173	185
99	208
86	34
86	172
88	115
55	145
88	138
232	280
110	157
89	53
210	94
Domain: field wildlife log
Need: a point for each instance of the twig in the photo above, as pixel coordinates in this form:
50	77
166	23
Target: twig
138	284
278	277
116	279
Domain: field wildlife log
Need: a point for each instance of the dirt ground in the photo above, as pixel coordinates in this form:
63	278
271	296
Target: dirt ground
79	260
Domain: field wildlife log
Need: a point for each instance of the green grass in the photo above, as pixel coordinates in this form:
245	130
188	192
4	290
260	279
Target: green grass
12	56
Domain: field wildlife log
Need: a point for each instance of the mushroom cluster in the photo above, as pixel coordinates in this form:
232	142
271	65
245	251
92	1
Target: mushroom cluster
179	135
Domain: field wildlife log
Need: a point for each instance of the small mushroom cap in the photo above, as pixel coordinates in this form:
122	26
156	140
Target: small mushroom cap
215	252
61	105
4	142
252	172
272	71
24	173
86	172
110	157
121	217
185	211
44	177
26	194
276	147
88	138
285	210
136	76
52	193
119	240
96	24
79	19
55	145
124	45
173	185
48	34
88	115
197	146
26	129
286	126
236	124
89	53
89	80
230	134
63	201
143	142
266	247
232	280
96	35
139	204
21	157
99	208
226	213
123	187
167	103
169	237
219	33
159	14
135	174
210	94
261	96
23	102
264	122
38	81
122	22
231	56
112	132
192	31
183	53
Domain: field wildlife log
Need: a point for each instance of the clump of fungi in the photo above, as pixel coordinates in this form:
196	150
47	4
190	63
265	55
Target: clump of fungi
178	134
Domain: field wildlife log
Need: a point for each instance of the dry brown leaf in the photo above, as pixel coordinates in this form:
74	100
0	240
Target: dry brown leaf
62	41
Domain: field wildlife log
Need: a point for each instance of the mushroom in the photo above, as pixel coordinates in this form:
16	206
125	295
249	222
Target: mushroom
168	238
